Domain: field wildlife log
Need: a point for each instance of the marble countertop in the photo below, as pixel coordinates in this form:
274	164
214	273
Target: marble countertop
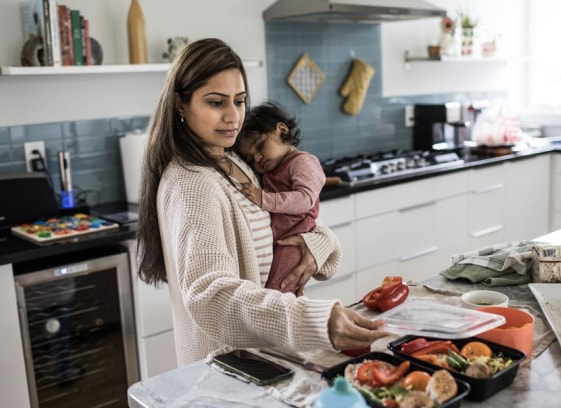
199	385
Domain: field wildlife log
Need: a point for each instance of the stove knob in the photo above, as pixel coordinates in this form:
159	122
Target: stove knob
401	165
385	169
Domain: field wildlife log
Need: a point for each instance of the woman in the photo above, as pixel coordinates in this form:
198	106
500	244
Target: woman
198	232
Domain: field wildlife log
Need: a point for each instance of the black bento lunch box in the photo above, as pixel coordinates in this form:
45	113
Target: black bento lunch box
339	370
481	388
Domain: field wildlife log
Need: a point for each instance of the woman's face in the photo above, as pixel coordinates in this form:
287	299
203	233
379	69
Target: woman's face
216	111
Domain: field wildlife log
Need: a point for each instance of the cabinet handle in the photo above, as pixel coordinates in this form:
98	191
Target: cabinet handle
418	254
487	189
487	231
416	206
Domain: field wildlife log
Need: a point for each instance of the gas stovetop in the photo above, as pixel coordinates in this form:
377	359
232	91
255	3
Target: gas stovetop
365	169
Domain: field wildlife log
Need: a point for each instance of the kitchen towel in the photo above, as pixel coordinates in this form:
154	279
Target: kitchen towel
508	263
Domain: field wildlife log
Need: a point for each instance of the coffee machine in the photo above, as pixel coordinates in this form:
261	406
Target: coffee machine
440	126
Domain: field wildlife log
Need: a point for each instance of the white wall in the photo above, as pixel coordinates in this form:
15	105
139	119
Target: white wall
58	98
41	99
504	16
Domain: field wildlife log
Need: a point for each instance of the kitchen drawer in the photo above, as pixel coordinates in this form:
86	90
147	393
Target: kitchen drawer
337	211
487	204
411	194
528	198
487	177
157	354
411	232
340	287
346	235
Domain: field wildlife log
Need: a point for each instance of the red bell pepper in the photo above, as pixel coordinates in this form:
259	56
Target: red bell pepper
436	347
411	346
392	292
376	372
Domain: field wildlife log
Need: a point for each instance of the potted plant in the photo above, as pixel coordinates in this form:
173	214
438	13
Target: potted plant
468	24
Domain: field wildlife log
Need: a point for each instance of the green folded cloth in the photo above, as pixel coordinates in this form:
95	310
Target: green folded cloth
503	264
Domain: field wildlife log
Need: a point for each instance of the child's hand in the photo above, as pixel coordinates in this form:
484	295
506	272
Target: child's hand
252	192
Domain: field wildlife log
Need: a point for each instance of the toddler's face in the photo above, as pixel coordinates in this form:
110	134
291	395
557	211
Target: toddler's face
264	152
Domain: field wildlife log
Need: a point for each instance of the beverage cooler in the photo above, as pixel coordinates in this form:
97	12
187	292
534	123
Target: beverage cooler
77	327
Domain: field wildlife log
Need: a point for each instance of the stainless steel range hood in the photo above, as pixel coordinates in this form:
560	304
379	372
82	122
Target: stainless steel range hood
351	11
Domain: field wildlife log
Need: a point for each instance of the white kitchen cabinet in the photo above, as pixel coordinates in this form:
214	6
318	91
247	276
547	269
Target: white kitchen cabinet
341	287
154	323
486	201
555	210
527	198
410	222
13	384
338	214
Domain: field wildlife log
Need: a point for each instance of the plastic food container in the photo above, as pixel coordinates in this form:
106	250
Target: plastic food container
480	388
339	370
423	318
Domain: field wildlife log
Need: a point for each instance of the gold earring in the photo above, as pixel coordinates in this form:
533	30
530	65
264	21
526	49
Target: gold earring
182	118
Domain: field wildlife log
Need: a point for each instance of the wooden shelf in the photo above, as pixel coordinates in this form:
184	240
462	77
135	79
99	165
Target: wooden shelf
99	69
409	59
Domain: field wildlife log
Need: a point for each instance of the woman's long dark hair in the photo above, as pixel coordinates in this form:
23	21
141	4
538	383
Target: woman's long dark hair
170	139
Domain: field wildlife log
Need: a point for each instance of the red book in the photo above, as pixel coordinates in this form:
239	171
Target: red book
87	44
65	26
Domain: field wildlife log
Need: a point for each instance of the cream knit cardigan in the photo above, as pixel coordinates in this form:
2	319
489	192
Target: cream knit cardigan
213	275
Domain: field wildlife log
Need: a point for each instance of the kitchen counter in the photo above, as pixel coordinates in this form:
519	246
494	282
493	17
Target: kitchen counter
470	161
199	385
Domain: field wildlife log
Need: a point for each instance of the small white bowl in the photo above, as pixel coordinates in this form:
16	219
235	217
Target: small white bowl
482	298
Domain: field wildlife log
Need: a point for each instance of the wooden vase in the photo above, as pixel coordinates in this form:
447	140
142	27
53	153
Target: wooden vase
136	31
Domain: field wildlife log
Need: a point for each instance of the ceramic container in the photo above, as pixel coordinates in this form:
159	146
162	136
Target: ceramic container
476	299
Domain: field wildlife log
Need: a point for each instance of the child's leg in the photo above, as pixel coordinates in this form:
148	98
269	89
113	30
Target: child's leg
285	259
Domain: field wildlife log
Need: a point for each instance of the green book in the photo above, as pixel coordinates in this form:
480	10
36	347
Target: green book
77	43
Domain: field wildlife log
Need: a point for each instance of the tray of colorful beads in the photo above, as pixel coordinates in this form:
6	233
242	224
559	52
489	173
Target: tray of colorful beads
69	226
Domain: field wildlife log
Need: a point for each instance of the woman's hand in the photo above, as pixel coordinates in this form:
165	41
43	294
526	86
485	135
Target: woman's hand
305	269
350	330
252	192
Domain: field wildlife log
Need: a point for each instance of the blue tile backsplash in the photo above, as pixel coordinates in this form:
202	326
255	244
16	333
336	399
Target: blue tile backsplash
327	131
97	173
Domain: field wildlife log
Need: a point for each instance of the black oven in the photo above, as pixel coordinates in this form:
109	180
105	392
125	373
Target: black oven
77	327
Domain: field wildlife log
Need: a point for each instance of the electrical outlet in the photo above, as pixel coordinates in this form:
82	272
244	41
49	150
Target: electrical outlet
409	116
29	155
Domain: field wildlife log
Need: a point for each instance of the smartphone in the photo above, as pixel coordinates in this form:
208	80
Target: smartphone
252	367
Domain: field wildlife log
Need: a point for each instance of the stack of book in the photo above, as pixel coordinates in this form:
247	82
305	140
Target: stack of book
64	31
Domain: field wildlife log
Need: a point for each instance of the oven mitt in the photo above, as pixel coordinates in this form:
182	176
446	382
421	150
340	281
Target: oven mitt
355	86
